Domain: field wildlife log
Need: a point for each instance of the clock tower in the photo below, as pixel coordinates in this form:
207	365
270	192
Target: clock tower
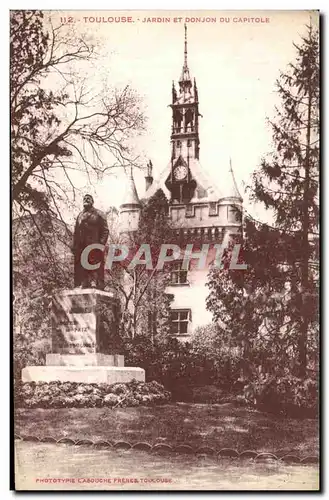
203	210
184	135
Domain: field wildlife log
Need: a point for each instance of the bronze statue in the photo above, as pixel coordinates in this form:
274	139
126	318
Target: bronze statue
90	227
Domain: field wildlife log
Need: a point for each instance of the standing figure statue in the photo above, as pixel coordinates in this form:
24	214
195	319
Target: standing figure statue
90	227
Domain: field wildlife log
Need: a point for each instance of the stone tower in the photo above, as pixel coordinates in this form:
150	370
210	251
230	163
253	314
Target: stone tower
202	210
184	135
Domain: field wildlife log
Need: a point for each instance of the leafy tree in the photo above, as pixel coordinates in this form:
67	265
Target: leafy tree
46	140
145	305
37	275
61	129
273	306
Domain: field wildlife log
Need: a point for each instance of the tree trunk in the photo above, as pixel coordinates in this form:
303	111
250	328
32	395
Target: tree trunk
302	344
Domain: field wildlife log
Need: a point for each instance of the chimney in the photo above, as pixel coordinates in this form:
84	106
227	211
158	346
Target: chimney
149	177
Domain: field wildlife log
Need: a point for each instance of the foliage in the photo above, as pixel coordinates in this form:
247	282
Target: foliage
57	124
182	367
80	395
145	304
271	309
288	183
59	127
287	395
212	369
41	267
220	353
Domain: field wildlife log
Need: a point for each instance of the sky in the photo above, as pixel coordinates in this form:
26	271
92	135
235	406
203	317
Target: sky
235	65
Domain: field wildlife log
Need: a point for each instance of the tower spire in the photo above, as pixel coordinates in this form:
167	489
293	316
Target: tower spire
131	196
185	118
185	76
232	190
185	46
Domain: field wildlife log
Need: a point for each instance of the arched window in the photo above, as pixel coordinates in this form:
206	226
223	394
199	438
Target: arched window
178	118
189	115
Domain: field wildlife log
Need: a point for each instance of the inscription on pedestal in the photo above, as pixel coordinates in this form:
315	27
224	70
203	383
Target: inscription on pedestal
85	321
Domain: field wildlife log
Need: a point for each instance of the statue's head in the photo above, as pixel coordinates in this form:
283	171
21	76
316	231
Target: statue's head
88	201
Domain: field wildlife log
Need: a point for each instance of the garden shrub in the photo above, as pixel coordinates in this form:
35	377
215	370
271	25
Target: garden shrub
181	367
212	370
79	395
287	394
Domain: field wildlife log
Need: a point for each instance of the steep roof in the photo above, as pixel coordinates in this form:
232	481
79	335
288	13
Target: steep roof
130	196
232	190
207	188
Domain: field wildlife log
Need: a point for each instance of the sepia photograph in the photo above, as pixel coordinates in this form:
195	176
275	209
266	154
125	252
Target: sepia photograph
165	250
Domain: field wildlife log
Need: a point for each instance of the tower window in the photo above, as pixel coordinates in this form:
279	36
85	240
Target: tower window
212	208
189	212
180	319
178	118
189	121
178	276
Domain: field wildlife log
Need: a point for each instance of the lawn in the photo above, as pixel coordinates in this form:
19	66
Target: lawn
217	426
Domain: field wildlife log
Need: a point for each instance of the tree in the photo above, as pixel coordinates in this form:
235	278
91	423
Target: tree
37	275
58	126
145	304
61	130
273	306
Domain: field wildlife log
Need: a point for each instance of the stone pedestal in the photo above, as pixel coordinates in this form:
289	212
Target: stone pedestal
86	344
85	321
88	359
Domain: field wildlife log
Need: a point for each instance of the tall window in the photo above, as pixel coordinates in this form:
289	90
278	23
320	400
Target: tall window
178	275
180	319
213	208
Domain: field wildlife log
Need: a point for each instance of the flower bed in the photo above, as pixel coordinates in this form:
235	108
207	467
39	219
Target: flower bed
78	395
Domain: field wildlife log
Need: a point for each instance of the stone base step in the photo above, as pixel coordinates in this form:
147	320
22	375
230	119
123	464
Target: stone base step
83	374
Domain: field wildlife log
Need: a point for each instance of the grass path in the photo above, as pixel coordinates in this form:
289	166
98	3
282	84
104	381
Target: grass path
217	426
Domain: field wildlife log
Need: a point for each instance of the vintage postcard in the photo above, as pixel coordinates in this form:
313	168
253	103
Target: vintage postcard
165	250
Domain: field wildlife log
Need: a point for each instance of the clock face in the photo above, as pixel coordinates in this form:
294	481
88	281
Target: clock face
180	172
